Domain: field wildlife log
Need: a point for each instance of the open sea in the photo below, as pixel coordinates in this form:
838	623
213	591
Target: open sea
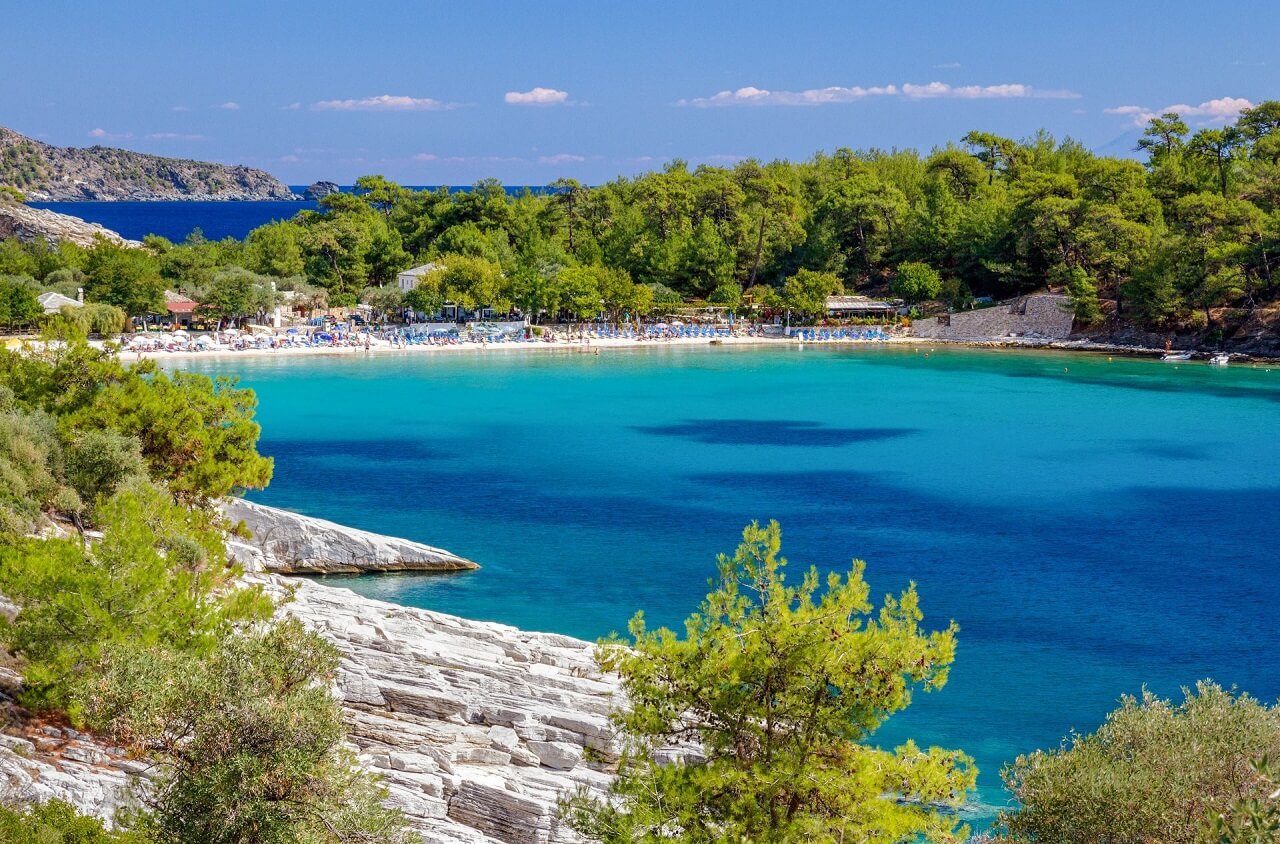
216	219
1094	525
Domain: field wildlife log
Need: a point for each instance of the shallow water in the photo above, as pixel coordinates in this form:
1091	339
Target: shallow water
1093	525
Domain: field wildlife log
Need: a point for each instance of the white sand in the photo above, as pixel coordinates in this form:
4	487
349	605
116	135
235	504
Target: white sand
382	348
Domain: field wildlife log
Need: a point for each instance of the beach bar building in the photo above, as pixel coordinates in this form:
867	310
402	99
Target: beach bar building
848	307
180	308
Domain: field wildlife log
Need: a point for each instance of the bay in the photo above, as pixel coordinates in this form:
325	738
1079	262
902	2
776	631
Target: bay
1094	525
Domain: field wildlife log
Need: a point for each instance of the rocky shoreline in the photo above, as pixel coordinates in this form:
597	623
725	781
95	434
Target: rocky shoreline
283	542
477	729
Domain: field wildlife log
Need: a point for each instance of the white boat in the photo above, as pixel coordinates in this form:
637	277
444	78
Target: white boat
1220	359
1176	356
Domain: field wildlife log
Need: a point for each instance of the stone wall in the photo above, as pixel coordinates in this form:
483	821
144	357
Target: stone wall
1046	317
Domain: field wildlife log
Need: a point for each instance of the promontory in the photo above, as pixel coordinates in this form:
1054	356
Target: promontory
47	173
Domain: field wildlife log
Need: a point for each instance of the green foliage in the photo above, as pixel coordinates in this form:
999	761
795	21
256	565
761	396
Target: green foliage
1154	771
1084	296
917	282
1194	230
56	822
385	301
248	738
197	434
1254	819
30	462
18	305
99	462
151	580
235	293
780	687
806	292
127	278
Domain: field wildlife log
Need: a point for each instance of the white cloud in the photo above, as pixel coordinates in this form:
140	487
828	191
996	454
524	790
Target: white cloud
103	134
984	92
230	106
751	95
561	158
174	136
825	96
289	159
181	108
537	97
383	102
431	157
291	107
947	66
1218	110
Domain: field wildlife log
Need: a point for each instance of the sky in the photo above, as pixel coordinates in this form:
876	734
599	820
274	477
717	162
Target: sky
430	93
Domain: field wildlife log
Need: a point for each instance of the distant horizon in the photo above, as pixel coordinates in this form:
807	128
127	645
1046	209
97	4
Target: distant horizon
449	94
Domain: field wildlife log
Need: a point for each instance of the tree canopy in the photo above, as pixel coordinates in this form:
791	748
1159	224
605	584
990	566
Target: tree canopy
774	693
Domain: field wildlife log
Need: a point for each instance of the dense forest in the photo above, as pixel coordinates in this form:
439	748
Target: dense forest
1186	239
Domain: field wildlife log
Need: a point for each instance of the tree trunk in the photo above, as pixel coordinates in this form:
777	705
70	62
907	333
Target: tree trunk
755	266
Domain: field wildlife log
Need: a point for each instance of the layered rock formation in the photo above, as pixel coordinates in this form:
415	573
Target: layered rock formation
28	224
477	729
290	543
48	173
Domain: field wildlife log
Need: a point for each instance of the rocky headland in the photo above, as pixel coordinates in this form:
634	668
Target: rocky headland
476	728
30	224
290	543
47	173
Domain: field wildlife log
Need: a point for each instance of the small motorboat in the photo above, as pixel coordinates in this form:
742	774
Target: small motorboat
1173	356
1220	359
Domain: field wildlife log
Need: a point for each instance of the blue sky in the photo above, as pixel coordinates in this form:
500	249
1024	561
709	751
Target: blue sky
446	93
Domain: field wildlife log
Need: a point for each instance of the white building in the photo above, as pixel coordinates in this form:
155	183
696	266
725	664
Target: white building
55	302
409	278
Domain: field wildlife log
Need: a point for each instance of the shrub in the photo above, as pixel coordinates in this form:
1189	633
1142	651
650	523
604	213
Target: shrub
249	741
1154	771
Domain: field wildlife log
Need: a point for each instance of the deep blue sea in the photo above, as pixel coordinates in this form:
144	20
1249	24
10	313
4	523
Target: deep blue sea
1094	525
215	219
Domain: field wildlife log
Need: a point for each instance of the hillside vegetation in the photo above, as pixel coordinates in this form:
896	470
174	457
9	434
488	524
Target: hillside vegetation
48	173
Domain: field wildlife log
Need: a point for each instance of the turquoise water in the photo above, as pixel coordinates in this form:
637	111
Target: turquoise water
1093	525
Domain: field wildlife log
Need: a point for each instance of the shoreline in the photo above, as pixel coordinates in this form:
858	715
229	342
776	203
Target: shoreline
612	344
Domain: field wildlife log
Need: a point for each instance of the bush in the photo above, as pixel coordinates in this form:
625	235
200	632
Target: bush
1154	771
56	822
153	579
916	282
249	741
98	462
30	456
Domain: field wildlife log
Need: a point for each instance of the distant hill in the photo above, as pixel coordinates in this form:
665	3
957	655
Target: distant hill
61	174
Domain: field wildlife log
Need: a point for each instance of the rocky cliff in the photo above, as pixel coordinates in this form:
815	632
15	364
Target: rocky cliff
29	224
48	173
